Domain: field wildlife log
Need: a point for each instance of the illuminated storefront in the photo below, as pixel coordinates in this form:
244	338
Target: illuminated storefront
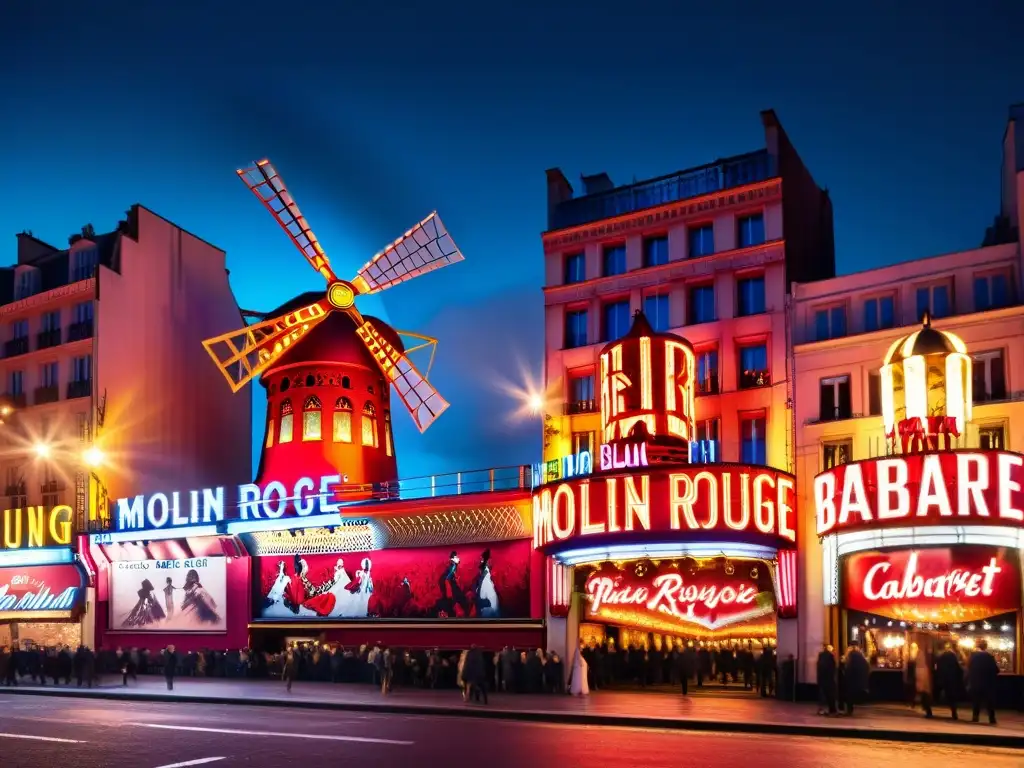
921	547
649	549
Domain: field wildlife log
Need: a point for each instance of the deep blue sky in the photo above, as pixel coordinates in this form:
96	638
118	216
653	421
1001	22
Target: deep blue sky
378	113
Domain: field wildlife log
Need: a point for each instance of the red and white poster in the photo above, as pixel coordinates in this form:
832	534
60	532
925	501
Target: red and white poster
942	585
691	597
38	592
478	581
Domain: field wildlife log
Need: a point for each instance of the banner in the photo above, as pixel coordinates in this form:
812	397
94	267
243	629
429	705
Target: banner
37	592
169	595
944	585
464	581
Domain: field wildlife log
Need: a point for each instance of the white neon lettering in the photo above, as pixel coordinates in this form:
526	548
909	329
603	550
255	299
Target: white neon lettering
824	501
888	485
304	504
274	489
912	586
564	525
971	486
638	503
855	498
1008	463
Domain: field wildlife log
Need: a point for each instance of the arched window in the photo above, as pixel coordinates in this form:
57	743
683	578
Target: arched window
312	418
343	420
369	425
285	435
270	428
311	380
346	383
285	384
388	447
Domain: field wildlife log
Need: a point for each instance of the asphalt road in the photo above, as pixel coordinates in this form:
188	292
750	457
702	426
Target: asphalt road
40	732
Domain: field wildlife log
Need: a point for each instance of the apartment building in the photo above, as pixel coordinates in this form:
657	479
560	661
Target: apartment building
707	253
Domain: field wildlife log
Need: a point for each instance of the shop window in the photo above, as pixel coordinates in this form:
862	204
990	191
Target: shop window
343	420
285	435
989	377
369	426
836	452
834	399
754	442
312	419
992	438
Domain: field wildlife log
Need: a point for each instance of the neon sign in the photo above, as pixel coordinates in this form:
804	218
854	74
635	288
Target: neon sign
568	466
623	456
34	527
947	488
207	506
728	499
945	584
39	592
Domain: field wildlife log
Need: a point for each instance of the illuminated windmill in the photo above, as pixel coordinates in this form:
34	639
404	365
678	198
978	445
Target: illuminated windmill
328	369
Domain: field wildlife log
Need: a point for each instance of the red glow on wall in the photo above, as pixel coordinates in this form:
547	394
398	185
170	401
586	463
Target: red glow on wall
949	584
787	583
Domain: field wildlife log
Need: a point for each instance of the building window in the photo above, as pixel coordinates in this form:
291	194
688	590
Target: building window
285	435
342	420
992	291
836	453
616	320
754	366
85	264
369	425
581	394
582	441
81	368
48	375
655	251
701	240
830	323
874	393
879	313
575	267
656	309
312	419
702	304
705	449
270	431
989	377
992	438
707	372
614	259
16	383
935	300
346	382
575	328
754	445
82	312
750	296
51	321
750	230
389	449
19	330
834	399
27	285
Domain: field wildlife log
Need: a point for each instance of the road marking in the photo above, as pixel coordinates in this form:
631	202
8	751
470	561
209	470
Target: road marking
200	761
39	738
315	736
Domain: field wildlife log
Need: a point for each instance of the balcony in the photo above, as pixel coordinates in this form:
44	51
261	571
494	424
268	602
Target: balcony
575	407
708	386
15	489
16	347
47	339
51	486
724	174
80	330
755	379
43	395
14	399
841	413
80	389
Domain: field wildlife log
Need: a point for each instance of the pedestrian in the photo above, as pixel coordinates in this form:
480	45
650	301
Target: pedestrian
982	672
578	683
170	664
766	671
291	668
855	677
460	679
923	679
387	676
949	675
475	676
826	681
688	666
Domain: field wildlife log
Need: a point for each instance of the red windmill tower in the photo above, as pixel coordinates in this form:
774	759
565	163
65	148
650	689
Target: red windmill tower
328	370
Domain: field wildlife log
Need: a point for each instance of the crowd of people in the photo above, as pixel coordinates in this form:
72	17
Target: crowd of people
929	678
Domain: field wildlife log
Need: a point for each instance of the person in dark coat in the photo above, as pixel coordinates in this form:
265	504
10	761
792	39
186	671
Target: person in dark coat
826	681
474	675
856	677
948	676
766	671
290	671
703	665
982	672
170	666
688	667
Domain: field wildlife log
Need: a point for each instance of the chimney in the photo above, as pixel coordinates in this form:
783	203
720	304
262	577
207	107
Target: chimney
597	183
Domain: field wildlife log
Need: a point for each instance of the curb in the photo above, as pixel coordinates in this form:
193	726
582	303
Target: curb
569	718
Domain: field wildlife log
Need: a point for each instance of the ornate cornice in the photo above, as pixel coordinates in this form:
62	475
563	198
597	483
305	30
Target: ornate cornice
46	297
651	217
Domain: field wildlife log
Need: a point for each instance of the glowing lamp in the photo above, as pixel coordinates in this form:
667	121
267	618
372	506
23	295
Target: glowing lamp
93	456
926	389
42	450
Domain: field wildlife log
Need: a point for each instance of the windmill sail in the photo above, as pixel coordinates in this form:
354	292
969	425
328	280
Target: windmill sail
422	249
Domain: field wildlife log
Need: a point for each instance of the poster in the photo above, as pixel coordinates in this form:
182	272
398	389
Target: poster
187	595
463	582
39	592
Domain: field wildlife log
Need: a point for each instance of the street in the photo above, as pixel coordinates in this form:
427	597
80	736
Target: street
39	732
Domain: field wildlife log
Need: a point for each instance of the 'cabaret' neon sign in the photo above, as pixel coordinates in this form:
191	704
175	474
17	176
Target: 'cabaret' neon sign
946	488
206	506
957	582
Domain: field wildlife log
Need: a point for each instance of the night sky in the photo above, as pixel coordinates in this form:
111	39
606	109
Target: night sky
378	113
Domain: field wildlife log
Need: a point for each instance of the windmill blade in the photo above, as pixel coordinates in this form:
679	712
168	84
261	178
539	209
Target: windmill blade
264	181
419	396
244	354
422	249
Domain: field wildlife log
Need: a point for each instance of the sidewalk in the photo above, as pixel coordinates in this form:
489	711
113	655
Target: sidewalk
701	712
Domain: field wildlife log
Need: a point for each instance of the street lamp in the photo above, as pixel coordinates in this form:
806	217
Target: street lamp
42	450
93	456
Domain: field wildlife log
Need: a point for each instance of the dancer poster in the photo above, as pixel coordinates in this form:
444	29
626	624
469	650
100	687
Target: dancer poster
477	581
186	595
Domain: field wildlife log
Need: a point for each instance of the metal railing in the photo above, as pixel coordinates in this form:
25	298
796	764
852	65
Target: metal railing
574	407
47	339
16	347
714	177
80	330
513	478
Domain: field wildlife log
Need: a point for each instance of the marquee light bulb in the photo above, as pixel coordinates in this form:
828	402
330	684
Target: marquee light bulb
42	450
93	456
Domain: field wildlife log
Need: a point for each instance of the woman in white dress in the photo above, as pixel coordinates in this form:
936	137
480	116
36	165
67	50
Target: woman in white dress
360	597
273	604
486	596
339	589
579	686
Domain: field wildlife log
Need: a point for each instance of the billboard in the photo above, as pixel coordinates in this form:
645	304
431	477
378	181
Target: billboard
463	582
37	592
186	595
